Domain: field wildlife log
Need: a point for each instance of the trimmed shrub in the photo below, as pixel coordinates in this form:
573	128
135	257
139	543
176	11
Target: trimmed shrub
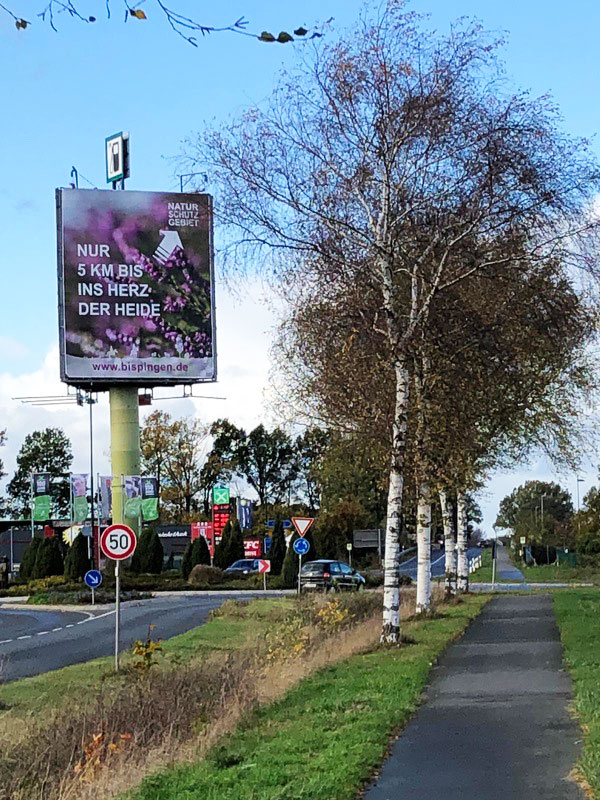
277	551
29	557
149	553
231	546
289	570
203	575
77	562
49	560
155	554
195	553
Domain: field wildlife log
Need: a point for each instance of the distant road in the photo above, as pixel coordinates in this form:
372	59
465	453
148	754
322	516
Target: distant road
34	641
437	563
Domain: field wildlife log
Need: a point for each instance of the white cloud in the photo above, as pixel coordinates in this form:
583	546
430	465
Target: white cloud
243	339
245	323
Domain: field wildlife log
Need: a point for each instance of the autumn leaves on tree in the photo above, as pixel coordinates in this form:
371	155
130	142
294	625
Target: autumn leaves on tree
424	223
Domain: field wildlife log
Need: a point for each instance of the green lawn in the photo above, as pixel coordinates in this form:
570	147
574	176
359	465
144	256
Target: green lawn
562	574
323	740
577	612
484	573
53	689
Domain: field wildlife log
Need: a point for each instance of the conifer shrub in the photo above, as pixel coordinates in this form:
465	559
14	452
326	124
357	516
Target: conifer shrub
29	557
48	560
77	562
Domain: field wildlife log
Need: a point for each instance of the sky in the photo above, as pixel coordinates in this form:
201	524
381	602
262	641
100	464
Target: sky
63	93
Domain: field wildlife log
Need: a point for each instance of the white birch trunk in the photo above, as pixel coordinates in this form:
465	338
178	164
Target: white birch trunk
423	550
390	632
462	583
449	544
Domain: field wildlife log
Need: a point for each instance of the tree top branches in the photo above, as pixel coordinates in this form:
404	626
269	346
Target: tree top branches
185	26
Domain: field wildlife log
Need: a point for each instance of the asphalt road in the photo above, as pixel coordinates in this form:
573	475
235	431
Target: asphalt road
409	567
34	641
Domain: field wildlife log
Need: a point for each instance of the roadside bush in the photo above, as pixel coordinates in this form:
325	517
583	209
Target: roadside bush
83	597
48	560
203	575
196	552
231	546
29	557
277	552
149	554
154	554
77	562
289	570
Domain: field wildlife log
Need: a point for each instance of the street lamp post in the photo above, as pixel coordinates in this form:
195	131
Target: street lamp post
579	480
542	529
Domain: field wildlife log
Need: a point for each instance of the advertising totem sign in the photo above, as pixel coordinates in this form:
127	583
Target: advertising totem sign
135	288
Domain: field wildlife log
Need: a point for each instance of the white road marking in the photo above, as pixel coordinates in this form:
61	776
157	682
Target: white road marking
89	617
98	616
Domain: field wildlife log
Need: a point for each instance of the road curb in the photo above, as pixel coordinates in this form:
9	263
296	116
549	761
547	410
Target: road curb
65	608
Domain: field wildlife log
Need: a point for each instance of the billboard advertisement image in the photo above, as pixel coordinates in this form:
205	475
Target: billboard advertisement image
136	287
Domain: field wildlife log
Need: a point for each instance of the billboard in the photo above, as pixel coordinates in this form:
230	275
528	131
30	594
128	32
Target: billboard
135	288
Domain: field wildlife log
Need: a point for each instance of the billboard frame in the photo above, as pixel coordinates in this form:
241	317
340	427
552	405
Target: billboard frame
128	380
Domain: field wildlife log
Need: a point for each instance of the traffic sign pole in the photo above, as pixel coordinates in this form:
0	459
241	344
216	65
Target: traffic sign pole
117	612
299	571
118	542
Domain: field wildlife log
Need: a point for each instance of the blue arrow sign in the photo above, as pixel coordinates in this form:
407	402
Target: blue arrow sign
93	578
287	523
301	547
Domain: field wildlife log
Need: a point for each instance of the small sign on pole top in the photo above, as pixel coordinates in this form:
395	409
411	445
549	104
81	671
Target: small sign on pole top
117	157
523	539
221	495
302	524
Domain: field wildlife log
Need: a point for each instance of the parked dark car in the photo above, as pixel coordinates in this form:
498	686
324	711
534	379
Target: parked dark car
244	566
326	575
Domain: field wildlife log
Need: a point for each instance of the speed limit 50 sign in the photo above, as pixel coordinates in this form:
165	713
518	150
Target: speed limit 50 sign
118	542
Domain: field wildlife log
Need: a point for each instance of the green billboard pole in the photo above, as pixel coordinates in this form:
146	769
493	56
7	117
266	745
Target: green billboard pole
124	446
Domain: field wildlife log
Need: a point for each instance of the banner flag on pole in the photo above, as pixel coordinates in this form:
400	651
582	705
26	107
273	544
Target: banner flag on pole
132	506
149	498
105	484
79	494
42	502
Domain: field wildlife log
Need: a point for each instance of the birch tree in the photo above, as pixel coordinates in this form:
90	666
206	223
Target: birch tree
385	153
450	560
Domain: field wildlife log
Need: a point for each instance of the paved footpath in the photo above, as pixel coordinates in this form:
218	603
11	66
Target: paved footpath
495	724
506	569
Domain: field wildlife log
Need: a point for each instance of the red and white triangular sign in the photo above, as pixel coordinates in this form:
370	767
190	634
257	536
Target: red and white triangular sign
302	524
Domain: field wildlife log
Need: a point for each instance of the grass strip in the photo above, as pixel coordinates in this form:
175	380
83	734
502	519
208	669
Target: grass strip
51	690
563	574
577	612
484	573
323	740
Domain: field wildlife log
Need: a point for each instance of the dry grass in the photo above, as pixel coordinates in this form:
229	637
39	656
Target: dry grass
177	716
